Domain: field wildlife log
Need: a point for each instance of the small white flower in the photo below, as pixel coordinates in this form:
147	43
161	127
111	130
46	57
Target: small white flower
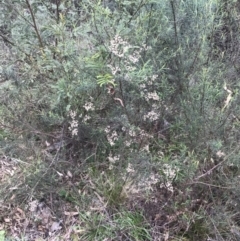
169	171
86	118
154	77
72	114
88	106
129	168
128	143
114	70
107	129
132	133
73	124
113	159
146	47
133	59
142	86
110	167
220	154
152	95
74	132
112	138
146	148
151	116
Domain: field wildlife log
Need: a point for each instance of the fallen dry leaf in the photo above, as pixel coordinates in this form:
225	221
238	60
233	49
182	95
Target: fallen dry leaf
69	174
71	213
55	226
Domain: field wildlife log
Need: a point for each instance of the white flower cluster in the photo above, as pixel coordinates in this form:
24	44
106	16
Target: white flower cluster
114	70
152	116
154	77
143	134
146	148
135	57
112	137
73	124
152	95
142	86
114	46
127	143
146	47
145	184
86	118
170	173
112	159
88	106
129	68
144	89
130	168
120	48
132	133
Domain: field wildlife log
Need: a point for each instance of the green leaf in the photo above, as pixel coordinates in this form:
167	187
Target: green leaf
68	107
2	235
105	79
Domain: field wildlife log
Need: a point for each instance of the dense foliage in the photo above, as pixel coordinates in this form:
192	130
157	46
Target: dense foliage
136	102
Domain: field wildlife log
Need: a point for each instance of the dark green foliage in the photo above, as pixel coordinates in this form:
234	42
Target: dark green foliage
130	92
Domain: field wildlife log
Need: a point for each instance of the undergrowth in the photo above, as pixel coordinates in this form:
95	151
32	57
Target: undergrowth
119	120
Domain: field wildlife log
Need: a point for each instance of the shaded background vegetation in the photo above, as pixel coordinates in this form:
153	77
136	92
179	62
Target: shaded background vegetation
136	102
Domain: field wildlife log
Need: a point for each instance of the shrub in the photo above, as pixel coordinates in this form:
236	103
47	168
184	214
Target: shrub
141	94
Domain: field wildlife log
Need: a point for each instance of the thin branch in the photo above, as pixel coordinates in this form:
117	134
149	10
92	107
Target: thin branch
44	3
148	29
191	68
178	58
34	23
19	13
213	168
174	22
141	4
211	185
96	27
57	10
6	40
